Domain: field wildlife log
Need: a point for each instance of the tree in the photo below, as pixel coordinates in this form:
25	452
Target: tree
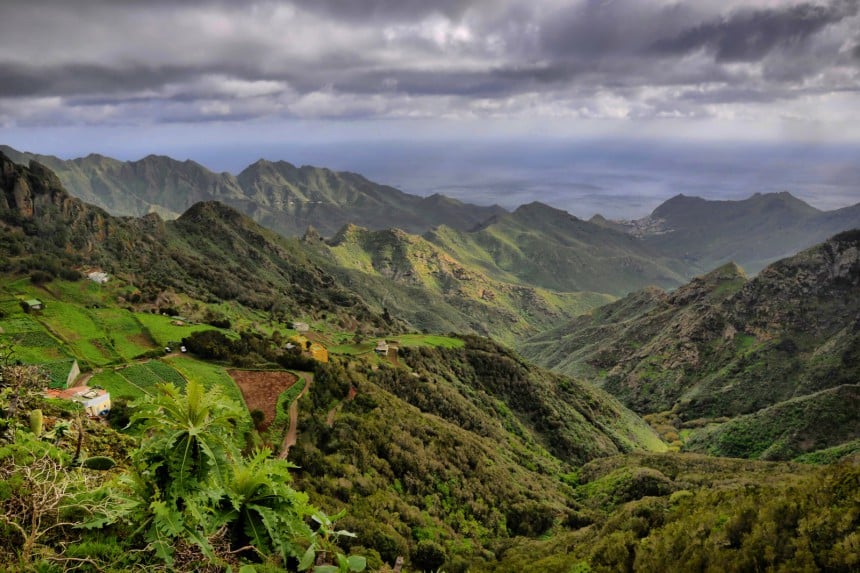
428	555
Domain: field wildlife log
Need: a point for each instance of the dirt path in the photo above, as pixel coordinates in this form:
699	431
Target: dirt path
329	419
292	432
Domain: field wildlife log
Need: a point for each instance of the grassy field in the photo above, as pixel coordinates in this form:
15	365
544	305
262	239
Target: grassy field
139	379
130	339
164	329
86	338
209	375
116	384
405	340
59	371
30	341
426	340
353	349
146	375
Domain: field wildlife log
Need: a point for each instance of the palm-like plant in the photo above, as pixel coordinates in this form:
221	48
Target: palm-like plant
262	511
191	435
191	483
181	466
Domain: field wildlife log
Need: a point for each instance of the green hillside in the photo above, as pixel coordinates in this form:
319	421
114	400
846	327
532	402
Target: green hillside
788	429
461	444
451	452
723	346
371	280
545	247
414	279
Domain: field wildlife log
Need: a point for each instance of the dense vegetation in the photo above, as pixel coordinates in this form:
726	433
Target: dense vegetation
452	453
185	497
779	350
690	513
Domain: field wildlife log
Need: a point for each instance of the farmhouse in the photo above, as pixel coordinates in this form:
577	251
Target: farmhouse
98	277
310	348
381	348
33	304
96	401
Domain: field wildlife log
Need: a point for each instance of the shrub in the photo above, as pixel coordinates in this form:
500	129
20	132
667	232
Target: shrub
40	277
428	555
530	518
70	275
99	463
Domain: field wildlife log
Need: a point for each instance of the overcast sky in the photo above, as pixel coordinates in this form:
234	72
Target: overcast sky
191	77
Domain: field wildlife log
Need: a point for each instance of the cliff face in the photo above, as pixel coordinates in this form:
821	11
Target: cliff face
34	198
808	292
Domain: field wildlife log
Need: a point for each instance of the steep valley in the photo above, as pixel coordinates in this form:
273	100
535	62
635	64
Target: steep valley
444	452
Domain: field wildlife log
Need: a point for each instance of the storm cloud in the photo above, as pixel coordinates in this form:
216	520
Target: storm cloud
749	35
100	62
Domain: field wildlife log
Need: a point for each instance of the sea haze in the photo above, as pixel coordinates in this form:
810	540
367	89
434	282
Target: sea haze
618	179
615	177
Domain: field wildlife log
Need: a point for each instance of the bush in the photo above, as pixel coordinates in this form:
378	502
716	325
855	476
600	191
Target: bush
219	323
119	414
70	275
99	463
209	344
530	518
40	277
428	555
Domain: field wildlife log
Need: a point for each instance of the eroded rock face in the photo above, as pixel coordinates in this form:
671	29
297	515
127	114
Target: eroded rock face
792	292
24	190
35	194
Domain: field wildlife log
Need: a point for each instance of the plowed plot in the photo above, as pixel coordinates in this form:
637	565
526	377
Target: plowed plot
261	390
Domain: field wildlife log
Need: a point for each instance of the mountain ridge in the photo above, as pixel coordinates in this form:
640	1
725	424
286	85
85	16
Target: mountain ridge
278	194
753	232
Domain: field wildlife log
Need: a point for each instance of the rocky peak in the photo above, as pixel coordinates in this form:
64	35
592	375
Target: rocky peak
720	282
348	233
312	235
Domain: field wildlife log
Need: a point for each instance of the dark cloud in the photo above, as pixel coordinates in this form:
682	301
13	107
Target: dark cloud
389	9
597	29
750	35
198	60
17	80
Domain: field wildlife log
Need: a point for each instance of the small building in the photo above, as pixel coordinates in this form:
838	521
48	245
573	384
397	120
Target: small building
98	277
318	352
301	327
381	348
96	401
33	304
308	347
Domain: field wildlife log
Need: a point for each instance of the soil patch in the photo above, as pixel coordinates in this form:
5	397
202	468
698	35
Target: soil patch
261	390
141	340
